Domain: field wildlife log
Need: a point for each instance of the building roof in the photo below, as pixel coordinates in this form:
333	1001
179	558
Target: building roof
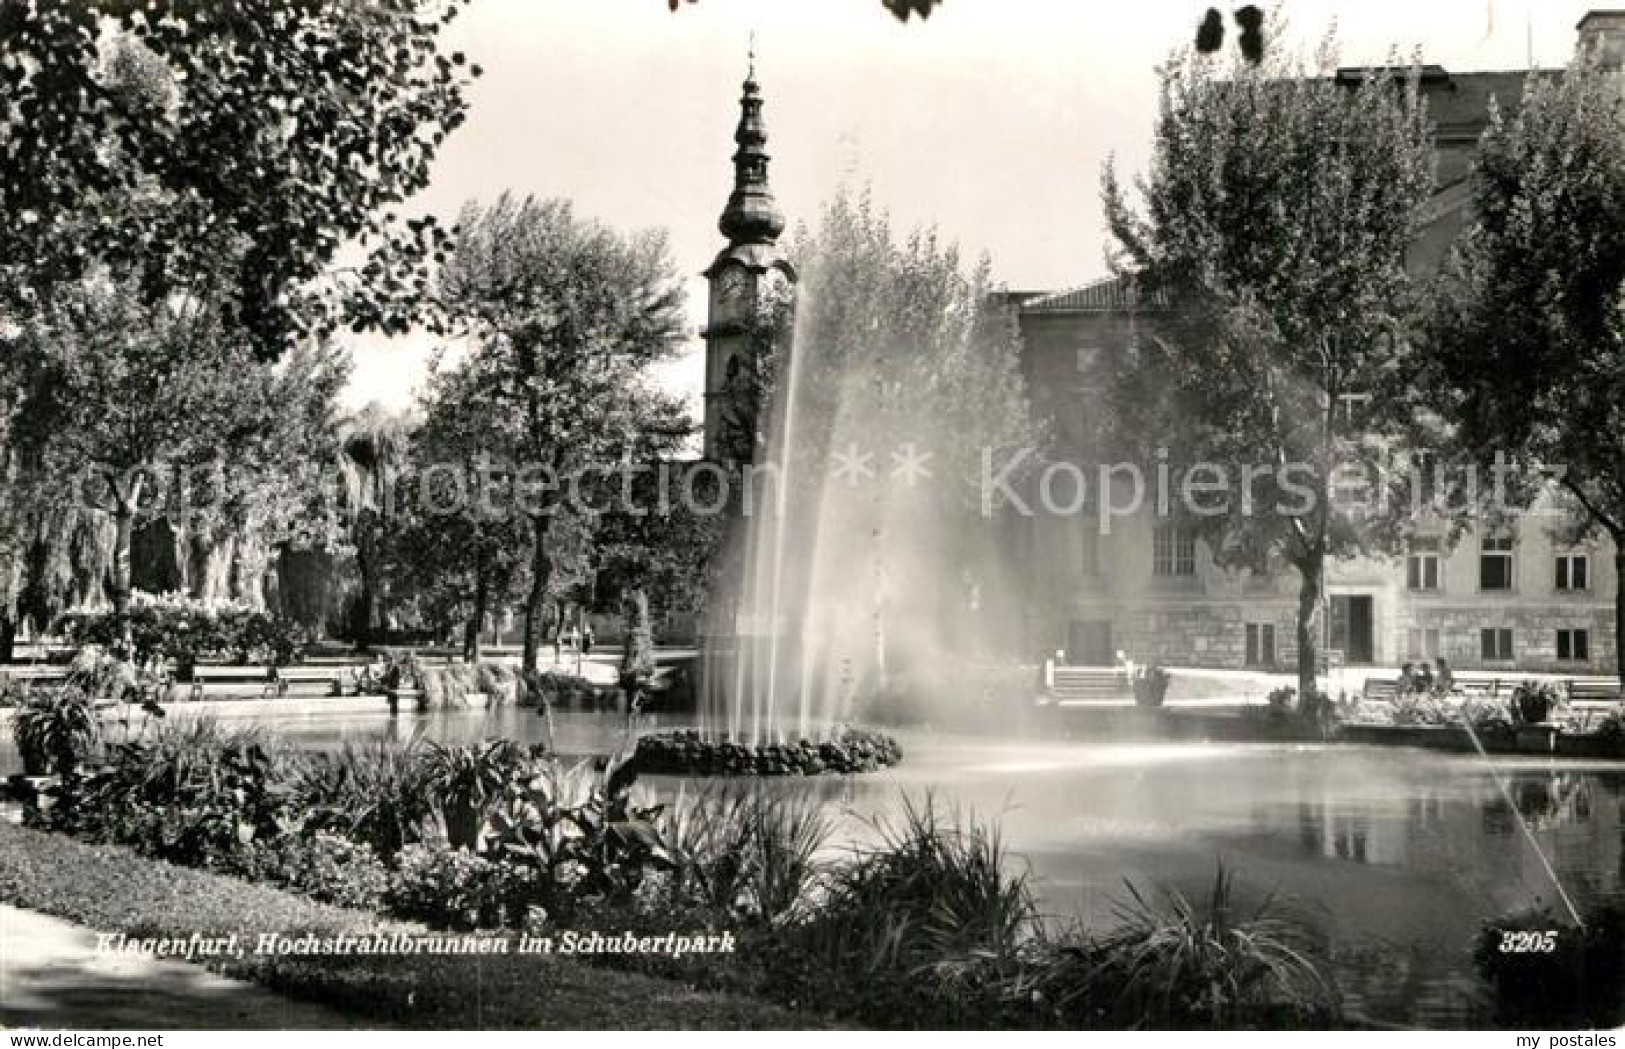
1107	295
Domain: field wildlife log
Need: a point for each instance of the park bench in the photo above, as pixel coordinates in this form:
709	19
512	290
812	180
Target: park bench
1380	687
268	682
1593	690
1088	684
34	674
1480	684
1463	684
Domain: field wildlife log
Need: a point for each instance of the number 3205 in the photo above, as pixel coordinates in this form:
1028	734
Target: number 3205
1531	942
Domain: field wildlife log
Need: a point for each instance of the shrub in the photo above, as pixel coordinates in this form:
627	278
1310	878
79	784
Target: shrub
1611	727
12	691
1419	708
448	687
926	927
1172	965
457	890
499	683
1282	710
1546	972
688	752
372	793
1534	701
555	689
55	729
190	631
195	794
464	781
744	853
1483	714
581	835
323	866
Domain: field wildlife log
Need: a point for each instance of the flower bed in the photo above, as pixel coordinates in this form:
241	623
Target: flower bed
688	753
190	631
1508	724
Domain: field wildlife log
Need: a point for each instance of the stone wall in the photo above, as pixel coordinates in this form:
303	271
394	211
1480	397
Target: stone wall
1200	635
1534	635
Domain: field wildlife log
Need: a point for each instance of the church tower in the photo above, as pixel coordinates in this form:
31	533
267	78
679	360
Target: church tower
748	274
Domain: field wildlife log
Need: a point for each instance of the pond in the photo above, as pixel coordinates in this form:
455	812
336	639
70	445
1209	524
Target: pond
1395	857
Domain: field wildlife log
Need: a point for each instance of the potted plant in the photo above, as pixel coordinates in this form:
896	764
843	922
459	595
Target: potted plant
1150	686
1533	702
463	782
1532	706
403	679
54	729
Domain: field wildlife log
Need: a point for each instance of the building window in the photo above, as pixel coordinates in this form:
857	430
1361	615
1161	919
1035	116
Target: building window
1173	551
1495	645
1261	644
1422	566
1574	645
1495	563
1573	572
1422	644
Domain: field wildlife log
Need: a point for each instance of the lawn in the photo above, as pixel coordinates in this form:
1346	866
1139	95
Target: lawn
114	890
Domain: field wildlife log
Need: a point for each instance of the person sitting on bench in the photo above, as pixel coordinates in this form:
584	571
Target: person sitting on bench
1406	681
1443	680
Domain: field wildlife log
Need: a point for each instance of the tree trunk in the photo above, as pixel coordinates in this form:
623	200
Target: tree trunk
1311	572
637	657
368	614
476	618
541	569
1619	612
123	531
637	654
8	638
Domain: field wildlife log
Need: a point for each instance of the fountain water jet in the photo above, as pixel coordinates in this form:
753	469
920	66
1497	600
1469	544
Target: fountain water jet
850	562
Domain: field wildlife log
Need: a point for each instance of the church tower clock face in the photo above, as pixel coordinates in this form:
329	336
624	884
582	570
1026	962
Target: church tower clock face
733	294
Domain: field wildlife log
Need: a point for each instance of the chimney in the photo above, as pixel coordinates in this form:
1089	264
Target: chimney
1602	33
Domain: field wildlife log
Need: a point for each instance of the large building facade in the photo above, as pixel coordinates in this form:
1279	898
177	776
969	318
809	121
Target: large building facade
1524	597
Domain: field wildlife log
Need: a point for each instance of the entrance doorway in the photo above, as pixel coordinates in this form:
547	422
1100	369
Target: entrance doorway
1089	644
1354	627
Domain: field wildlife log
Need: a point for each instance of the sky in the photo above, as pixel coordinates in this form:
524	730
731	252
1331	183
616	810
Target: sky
992	120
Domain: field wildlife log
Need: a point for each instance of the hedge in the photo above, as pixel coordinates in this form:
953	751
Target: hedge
114	890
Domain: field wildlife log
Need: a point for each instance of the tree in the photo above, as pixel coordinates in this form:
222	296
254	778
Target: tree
210	161
223	151
119	405
465	541
1276	216
565	315
1524	357
650	550
374	445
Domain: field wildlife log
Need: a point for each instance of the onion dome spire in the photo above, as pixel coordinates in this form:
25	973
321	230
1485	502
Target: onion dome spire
752	216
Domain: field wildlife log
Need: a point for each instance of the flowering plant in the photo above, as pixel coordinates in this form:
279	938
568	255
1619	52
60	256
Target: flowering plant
188	630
